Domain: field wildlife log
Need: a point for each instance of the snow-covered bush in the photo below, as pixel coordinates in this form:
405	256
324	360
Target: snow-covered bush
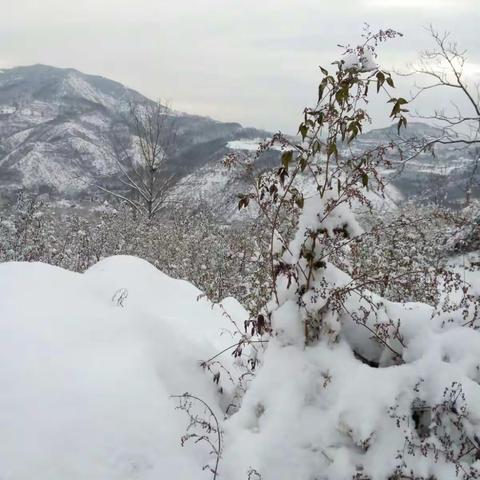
353	385
467	238
219	259
414	242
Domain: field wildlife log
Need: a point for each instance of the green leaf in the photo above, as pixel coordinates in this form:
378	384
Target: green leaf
353	129
243	203
319	264
321	88
402	121
299	201
303	163
287	158
395	110
282	173
365	180
342	95
380	80
325	72
390	82
332	149
303	130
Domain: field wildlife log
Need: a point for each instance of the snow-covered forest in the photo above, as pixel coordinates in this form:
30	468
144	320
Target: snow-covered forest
324	329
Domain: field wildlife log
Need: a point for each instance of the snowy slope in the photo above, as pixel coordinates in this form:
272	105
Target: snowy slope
88	363
59	129
85	382
442	177
216	189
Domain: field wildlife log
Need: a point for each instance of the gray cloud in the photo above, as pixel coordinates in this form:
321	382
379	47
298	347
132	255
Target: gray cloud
236	60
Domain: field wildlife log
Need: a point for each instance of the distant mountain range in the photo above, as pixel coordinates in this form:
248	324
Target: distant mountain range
56	139
56	131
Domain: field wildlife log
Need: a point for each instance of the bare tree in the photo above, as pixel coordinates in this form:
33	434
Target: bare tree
443	67
142	161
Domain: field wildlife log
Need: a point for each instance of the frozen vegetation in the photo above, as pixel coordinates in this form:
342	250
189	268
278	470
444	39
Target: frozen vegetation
90	361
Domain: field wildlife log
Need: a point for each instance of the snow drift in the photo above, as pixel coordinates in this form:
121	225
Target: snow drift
85	382
383	391
89	361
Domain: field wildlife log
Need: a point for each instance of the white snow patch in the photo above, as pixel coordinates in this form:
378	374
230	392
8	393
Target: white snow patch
85	382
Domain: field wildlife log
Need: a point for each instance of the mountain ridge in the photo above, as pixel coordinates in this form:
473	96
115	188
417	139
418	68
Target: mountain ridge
56	125
56	139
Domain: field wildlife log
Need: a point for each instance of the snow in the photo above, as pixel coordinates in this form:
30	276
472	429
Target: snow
247	144
42	162
7	109
250	145
89	361
76	85
86	382
19	137
364	62
319	425
96	121
316	411
215	186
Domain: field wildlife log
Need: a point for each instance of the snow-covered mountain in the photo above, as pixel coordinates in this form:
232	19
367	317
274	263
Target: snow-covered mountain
442	177
57	137
56	131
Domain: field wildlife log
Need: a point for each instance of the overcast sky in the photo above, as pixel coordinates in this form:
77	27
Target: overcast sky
251	61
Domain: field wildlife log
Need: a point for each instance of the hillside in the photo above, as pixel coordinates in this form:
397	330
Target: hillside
59	129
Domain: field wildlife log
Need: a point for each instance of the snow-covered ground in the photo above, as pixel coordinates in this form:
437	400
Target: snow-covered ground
251	145
88	363
85	382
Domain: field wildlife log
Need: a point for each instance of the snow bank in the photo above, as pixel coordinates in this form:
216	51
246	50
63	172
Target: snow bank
388	390
89	361
85	382
321	413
